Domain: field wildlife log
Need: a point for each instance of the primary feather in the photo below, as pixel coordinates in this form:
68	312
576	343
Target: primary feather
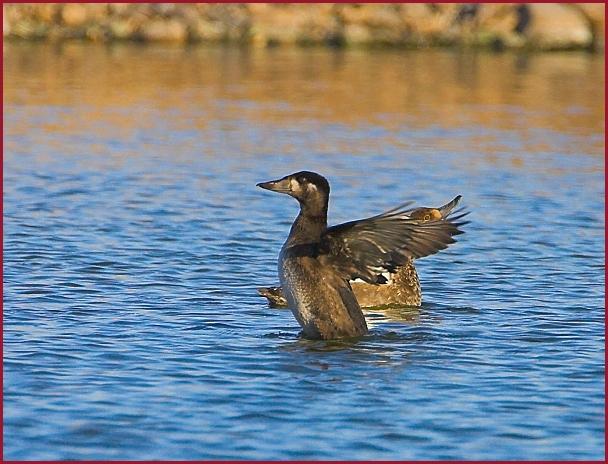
367	247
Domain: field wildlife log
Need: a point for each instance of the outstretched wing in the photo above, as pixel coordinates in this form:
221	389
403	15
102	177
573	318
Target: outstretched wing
366	248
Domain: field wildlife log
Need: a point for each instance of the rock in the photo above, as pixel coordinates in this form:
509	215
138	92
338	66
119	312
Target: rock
374	23
211	31
97	12
557	26
548	26
164	9
119	9
499	25
122	28
596	16
164	31
28	29
47	12
96	33
356	34
428	23
595	11
74	14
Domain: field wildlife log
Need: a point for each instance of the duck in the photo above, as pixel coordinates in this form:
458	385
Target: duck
402	287
316	263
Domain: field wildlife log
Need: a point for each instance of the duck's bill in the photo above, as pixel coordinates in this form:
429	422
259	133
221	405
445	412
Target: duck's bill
280	185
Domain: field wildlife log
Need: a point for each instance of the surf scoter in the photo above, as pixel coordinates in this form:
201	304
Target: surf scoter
316	263
403	286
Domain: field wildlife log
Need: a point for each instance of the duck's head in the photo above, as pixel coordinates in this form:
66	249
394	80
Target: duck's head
426	214
305	186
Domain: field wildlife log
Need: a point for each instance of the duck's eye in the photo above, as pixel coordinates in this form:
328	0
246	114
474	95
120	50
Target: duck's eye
302	179
427	217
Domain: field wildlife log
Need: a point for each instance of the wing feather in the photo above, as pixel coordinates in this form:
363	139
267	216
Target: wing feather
367	247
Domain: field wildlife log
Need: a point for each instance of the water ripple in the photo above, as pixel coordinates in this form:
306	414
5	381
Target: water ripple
132	328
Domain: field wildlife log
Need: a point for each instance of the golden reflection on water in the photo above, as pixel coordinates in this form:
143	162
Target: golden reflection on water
561	92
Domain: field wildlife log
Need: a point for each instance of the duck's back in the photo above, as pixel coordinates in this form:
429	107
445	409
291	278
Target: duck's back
321	301
402	289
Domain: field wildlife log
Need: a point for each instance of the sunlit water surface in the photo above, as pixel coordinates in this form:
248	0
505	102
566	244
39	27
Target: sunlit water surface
134	239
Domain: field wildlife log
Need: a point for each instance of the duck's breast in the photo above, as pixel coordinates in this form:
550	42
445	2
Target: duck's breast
321	301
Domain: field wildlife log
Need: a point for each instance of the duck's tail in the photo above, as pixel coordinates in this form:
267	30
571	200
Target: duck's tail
275	296
446	209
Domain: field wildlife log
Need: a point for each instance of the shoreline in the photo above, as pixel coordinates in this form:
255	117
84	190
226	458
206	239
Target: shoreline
535	27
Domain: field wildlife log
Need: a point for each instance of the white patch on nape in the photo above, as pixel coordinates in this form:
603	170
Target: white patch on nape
312	187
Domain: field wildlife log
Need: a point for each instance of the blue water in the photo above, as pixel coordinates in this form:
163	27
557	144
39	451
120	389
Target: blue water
134	240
